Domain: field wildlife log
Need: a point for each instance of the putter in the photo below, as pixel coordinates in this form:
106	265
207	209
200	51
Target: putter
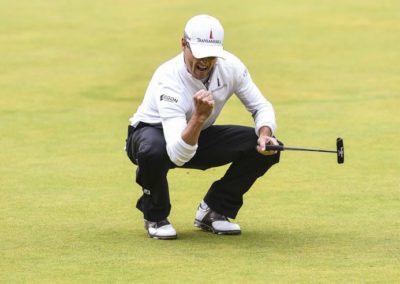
339	149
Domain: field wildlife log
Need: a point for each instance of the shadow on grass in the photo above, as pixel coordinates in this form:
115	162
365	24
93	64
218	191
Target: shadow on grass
277	238
255	238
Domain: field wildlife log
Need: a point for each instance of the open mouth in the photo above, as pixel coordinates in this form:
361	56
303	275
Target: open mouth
202	68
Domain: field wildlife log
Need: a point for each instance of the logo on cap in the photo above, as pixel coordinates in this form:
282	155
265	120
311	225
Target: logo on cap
211	35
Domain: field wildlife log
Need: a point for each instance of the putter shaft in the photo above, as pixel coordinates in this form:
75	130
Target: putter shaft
307	149
282	148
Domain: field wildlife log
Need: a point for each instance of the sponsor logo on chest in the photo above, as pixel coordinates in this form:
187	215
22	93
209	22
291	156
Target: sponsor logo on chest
168	99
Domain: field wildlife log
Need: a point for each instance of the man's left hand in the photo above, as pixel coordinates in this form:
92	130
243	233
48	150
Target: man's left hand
265	138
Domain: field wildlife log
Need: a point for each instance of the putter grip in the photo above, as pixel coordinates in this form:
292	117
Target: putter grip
274	148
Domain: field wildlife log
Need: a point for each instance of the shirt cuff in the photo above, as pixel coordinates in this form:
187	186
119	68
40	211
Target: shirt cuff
270	125
181	152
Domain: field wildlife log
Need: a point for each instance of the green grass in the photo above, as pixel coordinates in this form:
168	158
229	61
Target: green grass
73	72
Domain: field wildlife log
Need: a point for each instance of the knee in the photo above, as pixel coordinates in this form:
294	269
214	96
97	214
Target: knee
266	162
149	155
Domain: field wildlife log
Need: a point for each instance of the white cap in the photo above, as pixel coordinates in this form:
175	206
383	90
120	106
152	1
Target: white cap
205	35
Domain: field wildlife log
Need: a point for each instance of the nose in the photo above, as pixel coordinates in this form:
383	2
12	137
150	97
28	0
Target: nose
206	60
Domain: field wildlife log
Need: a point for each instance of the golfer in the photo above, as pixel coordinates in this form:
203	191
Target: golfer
174	128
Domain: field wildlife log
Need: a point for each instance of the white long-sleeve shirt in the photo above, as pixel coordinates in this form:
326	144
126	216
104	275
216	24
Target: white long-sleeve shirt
169	100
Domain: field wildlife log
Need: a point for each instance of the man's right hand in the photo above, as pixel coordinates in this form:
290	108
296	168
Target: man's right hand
204	104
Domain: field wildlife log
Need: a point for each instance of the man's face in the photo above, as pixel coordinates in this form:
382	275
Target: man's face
200	68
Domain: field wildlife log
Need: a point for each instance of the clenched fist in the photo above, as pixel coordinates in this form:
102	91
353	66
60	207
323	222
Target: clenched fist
203	103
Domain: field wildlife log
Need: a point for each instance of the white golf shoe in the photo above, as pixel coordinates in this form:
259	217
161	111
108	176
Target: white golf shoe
209	220
161	230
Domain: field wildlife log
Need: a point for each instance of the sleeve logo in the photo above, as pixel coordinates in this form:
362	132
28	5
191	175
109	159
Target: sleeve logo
168	99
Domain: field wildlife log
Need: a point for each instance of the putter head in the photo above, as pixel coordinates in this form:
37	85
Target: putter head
340	150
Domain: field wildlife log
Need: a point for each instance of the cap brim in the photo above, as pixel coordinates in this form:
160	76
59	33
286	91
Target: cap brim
202	50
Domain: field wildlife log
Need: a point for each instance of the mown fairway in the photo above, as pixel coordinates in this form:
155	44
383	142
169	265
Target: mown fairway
73	72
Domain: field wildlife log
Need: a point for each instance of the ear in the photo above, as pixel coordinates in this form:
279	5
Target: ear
183	44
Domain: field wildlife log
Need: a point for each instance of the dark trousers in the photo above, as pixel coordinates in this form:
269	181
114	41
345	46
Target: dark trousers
218	145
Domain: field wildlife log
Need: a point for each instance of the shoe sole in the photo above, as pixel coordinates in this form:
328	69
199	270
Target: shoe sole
162	237
208	228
